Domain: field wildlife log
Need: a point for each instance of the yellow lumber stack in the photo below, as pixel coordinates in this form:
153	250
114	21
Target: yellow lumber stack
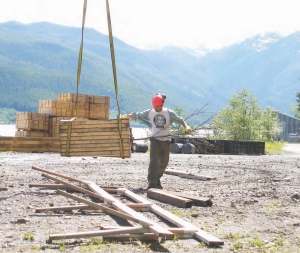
92	133
29	144
32	124
95	138
54	125
89	107
56	108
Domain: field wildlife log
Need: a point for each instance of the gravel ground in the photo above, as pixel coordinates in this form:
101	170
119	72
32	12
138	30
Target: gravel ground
256	201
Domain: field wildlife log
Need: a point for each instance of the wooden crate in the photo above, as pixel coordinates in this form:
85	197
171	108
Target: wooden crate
29	144
32	121
31	133
95	138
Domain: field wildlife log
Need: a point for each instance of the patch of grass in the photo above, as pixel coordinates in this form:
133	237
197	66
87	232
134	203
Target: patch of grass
237	246
275	206
235	236
28	236
183	213
274	146
96	244
202	245
278	241
257	243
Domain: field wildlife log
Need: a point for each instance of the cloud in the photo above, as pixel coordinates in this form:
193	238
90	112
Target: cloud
144	23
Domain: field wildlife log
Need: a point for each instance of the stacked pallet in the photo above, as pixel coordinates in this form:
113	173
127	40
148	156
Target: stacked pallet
45	122
32	124
92	132
81	106
83	137
29	144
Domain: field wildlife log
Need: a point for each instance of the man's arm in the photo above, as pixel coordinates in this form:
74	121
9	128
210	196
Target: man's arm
188	130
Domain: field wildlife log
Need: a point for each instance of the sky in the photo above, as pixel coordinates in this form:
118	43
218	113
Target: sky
149	24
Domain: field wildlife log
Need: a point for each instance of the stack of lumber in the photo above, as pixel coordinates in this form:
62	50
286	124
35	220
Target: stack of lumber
45	122
84	137
88	107
92	132
29	144
32	124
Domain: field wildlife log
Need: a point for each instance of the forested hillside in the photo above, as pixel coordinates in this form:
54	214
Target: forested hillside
39	61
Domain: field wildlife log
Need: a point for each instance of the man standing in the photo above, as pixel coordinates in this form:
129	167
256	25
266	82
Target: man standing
160	120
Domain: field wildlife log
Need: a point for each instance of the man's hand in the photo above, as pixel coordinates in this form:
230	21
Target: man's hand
188	130
125	116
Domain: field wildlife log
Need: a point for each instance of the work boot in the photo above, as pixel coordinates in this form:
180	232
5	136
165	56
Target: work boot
158	186
150	186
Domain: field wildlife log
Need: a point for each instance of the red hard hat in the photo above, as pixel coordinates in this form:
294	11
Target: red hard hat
158	100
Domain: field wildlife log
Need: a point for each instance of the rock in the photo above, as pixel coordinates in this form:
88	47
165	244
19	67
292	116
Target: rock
22	220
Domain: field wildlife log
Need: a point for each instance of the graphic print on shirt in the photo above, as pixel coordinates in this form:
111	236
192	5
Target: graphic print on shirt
159	121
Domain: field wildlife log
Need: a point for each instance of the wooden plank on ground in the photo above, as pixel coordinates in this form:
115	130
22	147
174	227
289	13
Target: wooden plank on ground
187	175
96	233
169	198
197	200
209	239
155	228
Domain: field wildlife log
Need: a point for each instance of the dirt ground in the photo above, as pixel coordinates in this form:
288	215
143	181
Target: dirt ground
256	201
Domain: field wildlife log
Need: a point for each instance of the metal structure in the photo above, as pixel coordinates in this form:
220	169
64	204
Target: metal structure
290	124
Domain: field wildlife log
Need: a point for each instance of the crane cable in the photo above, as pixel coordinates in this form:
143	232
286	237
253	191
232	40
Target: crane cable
114	74
78	80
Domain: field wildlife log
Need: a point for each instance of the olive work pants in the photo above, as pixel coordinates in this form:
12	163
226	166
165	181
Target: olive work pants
159	159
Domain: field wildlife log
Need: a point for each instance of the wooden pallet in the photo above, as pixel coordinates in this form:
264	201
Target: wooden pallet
95	138
29	144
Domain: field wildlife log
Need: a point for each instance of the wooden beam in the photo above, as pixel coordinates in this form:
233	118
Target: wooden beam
197	200
187	175
169	198
47	185
104	208
155	228
209	239
139	207
58	175
96	233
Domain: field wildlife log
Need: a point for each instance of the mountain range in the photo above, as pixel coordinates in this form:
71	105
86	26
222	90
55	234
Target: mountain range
40	60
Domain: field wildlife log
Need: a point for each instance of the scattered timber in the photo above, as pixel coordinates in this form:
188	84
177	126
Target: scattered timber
146	228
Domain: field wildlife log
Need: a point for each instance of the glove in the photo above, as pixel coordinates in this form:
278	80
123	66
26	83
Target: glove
188	130
125	116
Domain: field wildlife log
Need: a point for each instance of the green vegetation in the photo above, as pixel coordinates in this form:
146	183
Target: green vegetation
274	146
244	120
28	236
7	116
